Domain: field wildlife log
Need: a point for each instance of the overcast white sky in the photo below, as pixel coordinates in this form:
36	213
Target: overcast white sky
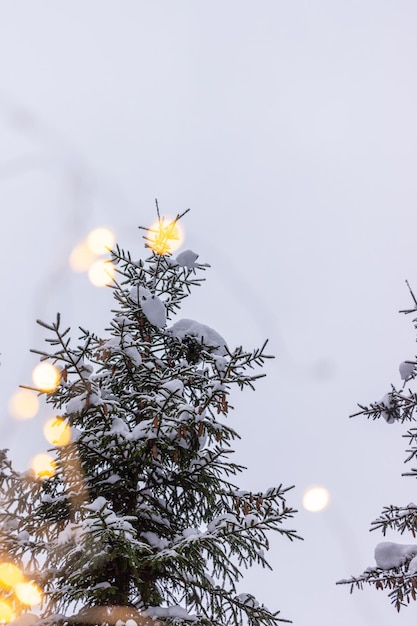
290	130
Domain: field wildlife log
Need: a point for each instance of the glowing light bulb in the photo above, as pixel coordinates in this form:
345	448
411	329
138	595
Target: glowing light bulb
316	498
28	593
23	404
46	377
57	431
100	240
81	257
165	236
43	465
101	273
6	613
10	575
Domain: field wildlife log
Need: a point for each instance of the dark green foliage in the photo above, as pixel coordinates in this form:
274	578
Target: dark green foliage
143	510
399	580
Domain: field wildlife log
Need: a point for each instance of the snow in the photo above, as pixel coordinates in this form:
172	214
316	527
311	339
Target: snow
388	403
407	370
111	480
389	554
119	427
151	305
130	349
191	534
173	387
205	334
250	520
188	259
412	566
98	504
76	404
154	540
154	309
248	599
169	611
140	431
67	534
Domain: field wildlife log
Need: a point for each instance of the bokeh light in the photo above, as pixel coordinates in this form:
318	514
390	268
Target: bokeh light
24	404
6	613
165	236
101	273
316	498
28	593
81	257
57	431
100	240
46	377
10	575
43	465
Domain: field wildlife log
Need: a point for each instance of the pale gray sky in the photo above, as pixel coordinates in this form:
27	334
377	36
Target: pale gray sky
290	130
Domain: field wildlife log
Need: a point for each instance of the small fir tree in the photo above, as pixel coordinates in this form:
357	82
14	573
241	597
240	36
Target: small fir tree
396	563
142	516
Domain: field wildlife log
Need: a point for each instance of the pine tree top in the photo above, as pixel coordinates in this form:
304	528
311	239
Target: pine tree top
143	510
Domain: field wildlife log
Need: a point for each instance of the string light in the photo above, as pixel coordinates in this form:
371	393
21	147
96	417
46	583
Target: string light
81	257
316	498
23	404
100	240
84	257
6	613
165	236
28	593
57	431
46	377
10	575
43	465
101	273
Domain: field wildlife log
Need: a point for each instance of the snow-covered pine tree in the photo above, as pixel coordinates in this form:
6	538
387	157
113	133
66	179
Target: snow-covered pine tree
395	567
142	511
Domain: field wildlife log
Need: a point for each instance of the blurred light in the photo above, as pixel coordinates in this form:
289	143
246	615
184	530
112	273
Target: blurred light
316	498
28	593
10	575
165	236
81	257
24	404
43	465
101	273
46	376
57	431
6	612
100	240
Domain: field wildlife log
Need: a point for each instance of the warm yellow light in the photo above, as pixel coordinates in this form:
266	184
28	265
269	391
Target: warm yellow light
28	593
101	273
165	236
81	257
57	431
24	404
6	613
10	575
316	498
43	465
46	376
100	240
